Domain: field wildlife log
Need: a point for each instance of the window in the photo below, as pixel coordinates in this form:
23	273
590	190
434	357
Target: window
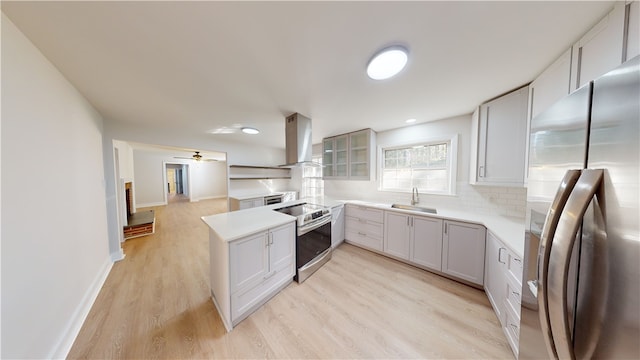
312	183
430	167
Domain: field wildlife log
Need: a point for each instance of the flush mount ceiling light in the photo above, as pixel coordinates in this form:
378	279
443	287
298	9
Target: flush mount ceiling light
250	130
410	121
387	62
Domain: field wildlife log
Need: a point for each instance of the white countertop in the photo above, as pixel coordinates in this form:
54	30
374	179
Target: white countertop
509	230
237	224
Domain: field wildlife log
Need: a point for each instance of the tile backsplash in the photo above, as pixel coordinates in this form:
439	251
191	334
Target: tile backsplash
498	200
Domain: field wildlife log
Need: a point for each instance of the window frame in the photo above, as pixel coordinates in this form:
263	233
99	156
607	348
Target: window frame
452	163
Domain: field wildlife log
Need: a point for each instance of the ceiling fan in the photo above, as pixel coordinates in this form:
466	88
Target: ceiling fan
196	157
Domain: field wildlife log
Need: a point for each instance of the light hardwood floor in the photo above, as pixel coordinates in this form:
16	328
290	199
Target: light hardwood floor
156	304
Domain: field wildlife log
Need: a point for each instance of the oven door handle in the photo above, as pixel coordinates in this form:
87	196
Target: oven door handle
314	225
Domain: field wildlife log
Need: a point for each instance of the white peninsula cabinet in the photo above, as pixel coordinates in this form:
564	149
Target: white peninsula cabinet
463	251
248	271
498	138
503	286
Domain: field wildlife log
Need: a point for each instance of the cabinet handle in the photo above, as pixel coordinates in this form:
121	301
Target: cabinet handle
500	255
408	221
445	228
517	260
515	293
361	233
270	238
481	171
266	241
269	275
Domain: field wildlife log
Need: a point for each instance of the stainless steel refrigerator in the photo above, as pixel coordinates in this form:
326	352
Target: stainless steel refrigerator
582	249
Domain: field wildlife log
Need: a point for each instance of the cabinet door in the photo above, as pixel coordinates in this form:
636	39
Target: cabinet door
552	85
281	247
463	251
494	279
251	203
397	232
328	146
341	155
633	35
248	260
426	246
501	149
359	155
600	49
337	225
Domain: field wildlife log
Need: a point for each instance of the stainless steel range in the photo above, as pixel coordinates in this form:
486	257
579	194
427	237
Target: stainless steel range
313	240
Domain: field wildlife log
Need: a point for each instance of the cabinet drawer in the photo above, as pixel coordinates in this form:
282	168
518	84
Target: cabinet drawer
512	329
369	228
366	213
364	239
514	268
513	296
243	301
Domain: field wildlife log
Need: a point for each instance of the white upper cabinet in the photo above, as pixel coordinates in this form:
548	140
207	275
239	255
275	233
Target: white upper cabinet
349	156
552	85
600	49
501	130
632	29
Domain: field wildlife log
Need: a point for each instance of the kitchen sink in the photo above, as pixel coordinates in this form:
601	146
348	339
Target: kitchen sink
414	208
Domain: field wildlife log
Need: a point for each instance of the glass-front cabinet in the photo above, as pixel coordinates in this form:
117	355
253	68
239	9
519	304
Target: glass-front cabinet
359	155
342	156
349	156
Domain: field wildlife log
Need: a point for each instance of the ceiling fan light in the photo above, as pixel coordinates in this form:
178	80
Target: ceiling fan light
250	130
387	62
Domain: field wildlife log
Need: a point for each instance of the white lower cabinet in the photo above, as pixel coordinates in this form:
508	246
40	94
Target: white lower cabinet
463	251
397	234
259	265
450	247
503	285
364	226
414	238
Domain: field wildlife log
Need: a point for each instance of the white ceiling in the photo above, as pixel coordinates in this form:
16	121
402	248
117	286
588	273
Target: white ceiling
193	67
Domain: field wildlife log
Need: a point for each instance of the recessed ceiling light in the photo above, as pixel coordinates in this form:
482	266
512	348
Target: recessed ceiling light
250	130
387	62
410	121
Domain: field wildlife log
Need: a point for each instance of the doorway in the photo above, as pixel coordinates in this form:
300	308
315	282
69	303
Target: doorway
177	183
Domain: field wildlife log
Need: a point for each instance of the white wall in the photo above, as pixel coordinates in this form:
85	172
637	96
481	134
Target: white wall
208	179
55	253
494	200
126	159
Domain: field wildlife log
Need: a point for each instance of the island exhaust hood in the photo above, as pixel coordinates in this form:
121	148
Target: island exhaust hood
298	141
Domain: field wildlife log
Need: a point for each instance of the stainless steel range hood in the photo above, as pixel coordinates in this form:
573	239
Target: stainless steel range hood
298	140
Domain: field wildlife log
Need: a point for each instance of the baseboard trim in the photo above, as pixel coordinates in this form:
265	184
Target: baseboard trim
210	198
61	351
139	206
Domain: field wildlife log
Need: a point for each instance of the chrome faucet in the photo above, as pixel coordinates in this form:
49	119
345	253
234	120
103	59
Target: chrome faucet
415	198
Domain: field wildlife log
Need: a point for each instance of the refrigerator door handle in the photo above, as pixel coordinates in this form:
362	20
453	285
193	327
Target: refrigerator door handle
560	257
546	237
